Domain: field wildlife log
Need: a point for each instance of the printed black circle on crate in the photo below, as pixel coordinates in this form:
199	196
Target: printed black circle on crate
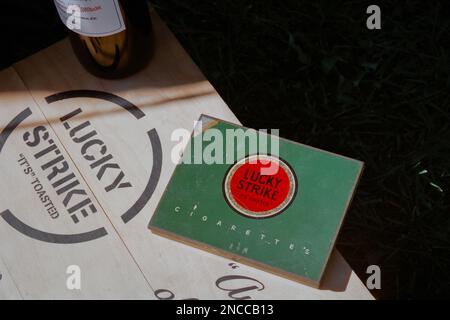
260	186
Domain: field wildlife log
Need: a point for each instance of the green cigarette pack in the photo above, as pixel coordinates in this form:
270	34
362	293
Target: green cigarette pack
253	197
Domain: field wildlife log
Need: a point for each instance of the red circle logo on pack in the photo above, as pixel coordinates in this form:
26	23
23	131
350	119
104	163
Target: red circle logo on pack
260	186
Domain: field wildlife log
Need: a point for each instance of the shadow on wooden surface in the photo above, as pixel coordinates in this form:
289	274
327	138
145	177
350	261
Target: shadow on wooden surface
168	67
336	281
194	91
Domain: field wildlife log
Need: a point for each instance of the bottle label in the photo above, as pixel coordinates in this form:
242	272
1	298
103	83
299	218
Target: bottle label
93	18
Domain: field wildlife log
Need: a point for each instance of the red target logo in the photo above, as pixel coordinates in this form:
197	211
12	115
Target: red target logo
260	186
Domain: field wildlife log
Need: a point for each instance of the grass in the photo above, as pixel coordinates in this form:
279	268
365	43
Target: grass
312	69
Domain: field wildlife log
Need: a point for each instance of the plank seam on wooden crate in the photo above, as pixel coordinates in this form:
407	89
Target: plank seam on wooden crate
84	179
13	281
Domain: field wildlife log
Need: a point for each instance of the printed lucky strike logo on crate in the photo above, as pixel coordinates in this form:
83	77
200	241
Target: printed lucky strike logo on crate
260	186
56	182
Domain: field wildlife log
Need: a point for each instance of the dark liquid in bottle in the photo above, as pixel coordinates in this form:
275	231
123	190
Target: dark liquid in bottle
121	54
